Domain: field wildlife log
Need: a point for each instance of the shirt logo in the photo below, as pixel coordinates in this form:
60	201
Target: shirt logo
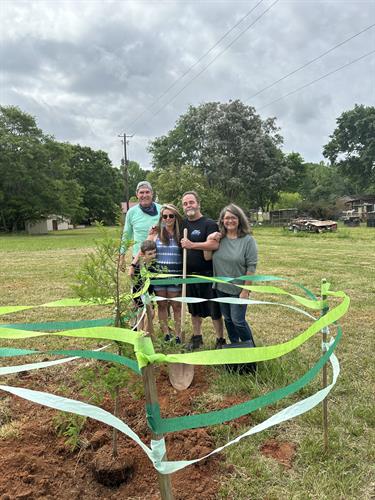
196	232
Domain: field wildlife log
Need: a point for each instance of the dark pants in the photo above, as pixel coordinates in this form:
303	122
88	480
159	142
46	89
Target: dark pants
234	318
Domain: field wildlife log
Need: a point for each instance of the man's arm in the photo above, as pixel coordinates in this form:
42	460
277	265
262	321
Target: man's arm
207	254
209	245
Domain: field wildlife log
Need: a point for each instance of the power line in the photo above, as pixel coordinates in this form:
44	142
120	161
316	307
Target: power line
318	79
310	62
215	58
195	64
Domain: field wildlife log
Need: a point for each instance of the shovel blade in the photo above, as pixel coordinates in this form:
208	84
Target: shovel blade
181	375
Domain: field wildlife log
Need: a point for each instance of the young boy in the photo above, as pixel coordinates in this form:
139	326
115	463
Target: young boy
145	258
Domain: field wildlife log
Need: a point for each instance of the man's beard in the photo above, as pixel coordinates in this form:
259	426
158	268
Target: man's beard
190	213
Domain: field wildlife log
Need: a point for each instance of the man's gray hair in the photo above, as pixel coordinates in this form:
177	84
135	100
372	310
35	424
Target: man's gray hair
193	193
144	184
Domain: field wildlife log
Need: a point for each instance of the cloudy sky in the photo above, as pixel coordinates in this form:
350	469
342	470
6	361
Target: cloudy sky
91	70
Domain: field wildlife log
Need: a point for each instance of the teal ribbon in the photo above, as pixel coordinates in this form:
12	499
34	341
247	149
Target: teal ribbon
161	425
99	355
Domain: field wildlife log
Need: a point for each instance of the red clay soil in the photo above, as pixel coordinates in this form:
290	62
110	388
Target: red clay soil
283	452
38	465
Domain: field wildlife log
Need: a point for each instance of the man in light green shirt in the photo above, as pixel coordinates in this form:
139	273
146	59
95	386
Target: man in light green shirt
139	220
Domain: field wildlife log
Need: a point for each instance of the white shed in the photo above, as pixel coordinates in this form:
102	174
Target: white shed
51	223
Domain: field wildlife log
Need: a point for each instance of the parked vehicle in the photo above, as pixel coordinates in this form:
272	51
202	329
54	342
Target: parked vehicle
312	225
352	220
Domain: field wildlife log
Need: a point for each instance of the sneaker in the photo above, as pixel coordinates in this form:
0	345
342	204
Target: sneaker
195	342
178	340
220	341
167	338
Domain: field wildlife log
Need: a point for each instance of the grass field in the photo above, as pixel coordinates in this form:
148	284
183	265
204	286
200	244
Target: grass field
35	270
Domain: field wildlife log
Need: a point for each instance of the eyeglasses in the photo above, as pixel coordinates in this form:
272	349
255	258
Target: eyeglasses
230	218
168	216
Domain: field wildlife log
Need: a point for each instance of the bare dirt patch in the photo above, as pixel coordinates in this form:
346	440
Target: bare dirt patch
37	464
281	451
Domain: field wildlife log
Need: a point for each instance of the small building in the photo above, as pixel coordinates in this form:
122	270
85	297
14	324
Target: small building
361	205
50	223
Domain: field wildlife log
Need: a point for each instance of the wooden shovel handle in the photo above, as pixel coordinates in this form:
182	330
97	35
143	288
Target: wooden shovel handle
184	268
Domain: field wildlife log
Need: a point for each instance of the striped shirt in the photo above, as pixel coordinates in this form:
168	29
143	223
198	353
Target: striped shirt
169	257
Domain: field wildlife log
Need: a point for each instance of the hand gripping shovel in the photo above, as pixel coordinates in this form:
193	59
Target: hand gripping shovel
181	375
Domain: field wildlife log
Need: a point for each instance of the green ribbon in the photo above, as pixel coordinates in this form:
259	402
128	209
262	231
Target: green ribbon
100	333
161	425
145	354
255	354
171	279
217	357
59	325
100	355
310	303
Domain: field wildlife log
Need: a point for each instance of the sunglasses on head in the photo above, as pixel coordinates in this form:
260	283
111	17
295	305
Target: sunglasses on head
168	216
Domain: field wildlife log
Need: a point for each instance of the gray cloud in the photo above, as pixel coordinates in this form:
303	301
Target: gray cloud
86	70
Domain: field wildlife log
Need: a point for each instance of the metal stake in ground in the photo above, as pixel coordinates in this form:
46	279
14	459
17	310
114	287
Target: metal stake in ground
324	339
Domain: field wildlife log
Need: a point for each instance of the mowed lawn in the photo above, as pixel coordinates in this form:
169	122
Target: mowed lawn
38	269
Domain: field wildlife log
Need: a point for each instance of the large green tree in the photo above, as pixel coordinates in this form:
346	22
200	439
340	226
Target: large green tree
352	146
238	153
102	184
171	183
35	176
294	162
322	182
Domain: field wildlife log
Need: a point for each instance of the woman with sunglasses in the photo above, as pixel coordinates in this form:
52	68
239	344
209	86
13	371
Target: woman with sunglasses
167	236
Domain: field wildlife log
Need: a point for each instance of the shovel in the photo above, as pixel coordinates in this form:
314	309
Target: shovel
181	375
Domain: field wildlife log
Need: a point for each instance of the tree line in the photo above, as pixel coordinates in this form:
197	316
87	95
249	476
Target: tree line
225	151
40	176
228	153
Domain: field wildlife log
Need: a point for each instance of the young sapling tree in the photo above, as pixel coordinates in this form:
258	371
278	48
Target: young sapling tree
101	281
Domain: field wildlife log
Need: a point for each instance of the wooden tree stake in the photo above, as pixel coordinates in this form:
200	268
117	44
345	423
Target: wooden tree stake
151	395
325	401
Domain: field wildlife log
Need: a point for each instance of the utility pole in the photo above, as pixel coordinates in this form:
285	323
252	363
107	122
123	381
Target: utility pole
126	169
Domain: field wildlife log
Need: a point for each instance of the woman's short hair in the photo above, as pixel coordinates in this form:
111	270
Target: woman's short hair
162	232
243	224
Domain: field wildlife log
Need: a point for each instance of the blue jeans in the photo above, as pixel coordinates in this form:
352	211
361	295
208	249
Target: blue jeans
235	320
